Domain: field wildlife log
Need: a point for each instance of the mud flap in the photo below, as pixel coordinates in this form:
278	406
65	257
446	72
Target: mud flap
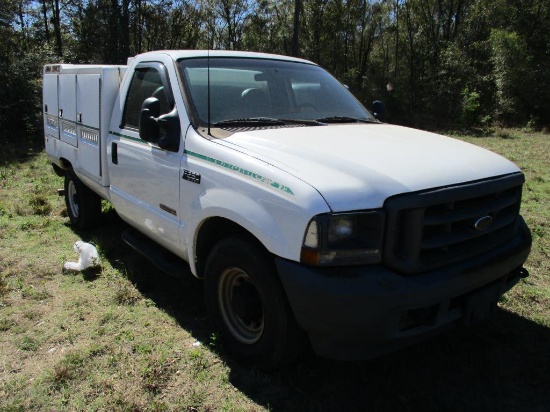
481	303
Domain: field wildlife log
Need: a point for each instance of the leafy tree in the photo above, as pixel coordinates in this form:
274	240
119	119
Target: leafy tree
20	74
436	63
511	64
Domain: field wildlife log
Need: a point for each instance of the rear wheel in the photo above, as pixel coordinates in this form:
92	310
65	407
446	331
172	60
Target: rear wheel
248	305
83	205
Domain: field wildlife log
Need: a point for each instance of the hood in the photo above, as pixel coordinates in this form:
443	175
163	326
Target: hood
359	166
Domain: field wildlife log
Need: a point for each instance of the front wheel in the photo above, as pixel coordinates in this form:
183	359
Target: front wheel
83	205
248	305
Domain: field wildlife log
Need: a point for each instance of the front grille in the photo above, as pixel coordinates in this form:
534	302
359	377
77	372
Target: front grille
431	229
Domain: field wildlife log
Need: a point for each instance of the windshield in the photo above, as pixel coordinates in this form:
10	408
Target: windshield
269	91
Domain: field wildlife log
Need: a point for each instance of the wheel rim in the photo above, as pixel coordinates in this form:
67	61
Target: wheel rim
241	305
72	198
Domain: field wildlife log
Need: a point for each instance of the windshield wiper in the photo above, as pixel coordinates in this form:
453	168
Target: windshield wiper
267	121
344	119
306	122
250	121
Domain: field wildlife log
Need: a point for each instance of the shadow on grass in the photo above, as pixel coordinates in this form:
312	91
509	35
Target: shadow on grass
21	150
501	364
180	297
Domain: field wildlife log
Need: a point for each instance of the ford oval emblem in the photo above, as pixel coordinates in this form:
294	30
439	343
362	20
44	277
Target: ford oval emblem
483	223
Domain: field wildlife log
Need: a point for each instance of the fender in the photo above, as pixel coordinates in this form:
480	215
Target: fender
275	217
262	222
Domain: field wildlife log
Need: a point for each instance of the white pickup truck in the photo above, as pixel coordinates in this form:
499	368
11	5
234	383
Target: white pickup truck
308	219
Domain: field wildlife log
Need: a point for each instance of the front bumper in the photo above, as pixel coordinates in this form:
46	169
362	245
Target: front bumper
353	313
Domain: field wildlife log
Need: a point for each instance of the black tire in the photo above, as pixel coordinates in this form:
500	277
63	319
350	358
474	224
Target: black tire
83	205
248	306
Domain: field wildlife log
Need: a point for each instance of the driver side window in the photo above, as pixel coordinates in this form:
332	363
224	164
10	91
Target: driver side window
146	82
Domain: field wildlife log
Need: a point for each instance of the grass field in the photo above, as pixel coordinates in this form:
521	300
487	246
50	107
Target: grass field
126	337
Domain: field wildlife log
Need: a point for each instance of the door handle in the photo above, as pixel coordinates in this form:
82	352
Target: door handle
114	153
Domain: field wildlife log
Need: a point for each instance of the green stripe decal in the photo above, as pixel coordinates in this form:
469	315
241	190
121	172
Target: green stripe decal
135	139
245	172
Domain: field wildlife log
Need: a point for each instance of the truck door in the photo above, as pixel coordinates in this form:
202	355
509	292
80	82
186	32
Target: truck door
145	178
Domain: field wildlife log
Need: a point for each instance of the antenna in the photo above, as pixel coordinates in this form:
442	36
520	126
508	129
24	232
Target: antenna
208	86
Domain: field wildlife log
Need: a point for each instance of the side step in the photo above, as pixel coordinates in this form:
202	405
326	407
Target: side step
156	254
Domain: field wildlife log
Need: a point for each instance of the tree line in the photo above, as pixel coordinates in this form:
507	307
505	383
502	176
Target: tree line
434	63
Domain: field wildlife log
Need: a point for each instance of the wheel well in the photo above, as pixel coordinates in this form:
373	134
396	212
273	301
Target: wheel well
65	163
58	170
61	169
211	232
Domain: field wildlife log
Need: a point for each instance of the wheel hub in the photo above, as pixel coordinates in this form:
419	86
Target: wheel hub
241	306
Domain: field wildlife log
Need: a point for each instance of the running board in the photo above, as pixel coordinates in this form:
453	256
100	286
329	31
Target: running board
156	254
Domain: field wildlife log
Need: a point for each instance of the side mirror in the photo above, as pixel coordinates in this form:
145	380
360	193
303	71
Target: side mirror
170	131
165	130
148	127
379	110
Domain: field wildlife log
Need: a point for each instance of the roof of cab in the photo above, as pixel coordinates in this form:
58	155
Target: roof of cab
186	54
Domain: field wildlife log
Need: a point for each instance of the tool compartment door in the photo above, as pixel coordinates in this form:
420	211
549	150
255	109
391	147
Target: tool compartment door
67	108
51	126
88	121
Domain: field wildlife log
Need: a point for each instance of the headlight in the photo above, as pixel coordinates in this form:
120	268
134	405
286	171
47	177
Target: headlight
344	239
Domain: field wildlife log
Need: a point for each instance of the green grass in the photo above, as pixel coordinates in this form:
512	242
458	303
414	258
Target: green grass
126	337
530	151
